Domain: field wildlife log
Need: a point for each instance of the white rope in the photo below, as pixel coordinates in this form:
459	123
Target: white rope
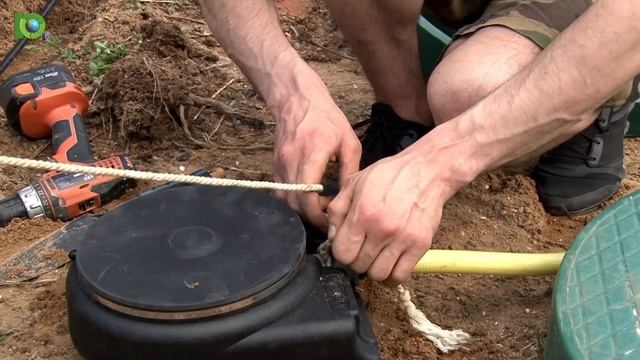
162	177
445	340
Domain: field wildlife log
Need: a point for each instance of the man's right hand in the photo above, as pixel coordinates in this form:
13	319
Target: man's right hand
311	131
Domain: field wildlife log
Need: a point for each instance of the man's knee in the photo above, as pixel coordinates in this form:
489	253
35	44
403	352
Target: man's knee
449	93
475	66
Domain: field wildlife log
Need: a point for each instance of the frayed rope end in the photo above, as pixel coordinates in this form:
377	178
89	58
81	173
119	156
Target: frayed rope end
445	340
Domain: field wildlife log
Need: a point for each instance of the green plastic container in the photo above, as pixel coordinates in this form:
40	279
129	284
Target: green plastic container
596	299
434	37
634	126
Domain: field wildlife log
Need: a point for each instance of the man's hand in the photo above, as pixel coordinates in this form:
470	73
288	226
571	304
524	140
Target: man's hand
384	218
311	131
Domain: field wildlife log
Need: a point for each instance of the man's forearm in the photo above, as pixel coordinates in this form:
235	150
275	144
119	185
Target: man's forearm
549	100
249	32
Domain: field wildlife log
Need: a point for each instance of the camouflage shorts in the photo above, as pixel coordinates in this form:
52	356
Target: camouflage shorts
541	21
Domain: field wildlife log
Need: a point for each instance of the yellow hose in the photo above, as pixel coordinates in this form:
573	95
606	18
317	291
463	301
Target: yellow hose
488	263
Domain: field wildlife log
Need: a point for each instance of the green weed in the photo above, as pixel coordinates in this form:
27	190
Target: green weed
5	334
105	54
53	41
69	54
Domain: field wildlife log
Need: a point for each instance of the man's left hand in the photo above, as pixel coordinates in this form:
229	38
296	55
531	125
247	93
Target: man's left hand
384	218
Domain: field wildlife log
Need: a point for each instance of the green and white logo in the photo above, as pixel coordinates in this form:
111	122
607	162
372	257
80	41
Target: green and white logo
28	26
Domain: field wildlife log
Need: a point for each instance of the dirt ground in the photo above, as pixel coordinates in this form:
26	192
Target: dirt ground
171	58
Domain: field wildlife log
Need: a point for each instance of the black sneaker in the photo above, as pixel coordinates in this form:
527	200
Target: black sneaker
583	172
387	134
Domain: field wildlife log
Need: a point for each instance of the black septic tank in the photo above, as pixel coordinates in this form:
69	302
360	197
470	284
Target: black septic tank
209	273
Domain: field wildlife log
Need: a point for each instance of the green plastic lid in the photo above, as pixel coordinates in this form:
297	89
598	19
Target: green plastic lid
596	299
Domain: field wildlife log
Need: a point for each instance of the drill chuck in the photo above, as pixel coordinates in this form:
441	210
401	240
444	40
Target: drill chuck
31	201
25	204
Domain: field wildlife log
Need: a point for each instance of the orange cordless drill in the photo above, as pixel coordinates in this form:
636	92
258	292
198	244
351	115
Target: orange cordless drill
47	102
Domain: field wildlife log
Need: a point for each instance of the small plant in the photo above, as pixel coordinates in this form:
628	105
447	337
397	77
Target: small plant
53	41
69	54
5	334
106	53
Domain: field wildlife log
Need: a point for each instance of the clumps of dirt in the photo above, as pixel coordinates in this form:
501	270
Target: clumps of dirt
44	334
144	91
69	16
143	94
499	211
515	199
22	232
166	39
49	309
316	37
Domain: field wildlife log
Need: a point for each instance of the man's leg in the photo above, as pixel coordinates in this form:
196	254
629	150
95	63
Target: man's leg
473	67
576	176
383	36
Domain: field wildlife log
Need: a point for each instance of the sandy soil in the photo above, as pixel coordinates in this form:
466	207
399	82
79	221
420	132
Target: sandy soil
135	110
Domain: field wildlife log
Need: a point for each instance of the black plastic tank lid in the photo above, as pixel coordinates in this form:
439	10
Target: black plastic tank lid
191	248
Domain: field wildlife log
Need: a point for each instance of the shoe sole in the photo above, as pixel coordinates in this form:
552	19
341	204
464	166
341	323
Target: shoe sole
559	209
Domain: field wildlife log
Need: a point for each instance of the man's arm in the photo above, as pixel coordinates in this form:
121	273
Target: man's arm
384	219
250	33
311	129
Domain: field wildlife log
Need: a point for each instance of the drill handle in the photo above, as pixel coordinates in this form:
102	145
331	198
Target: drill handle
70	141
